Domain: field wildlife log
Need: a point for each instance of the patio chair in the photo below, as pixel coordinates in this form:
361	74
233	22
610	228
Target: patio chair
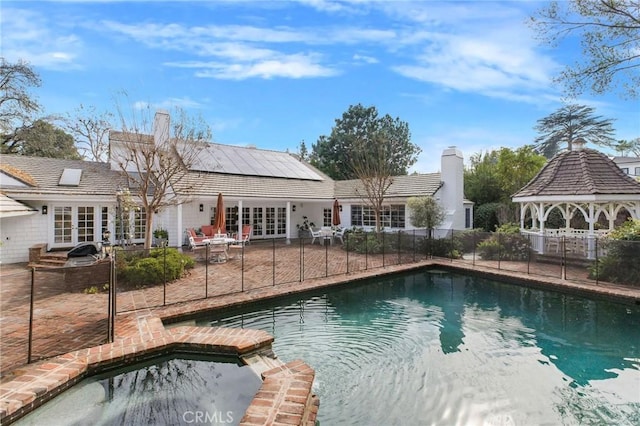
197	239
316	234
339	234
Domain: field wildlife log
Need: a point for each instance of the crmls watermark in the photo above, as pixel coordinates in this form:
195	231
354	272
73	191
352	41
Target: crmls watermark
208	417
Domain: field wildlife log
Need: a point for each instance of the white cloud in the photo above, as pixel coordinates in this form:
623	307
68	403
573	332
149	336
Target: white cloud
26	36
365	58
287	66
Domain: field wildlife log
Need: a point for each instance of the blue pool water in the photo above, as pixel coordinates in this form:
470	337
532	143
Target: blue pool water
445	349
163	391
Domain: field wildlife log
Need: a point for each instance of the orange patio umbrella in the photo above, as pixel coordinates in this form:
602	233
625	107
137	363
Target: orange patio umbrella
220	222
335	219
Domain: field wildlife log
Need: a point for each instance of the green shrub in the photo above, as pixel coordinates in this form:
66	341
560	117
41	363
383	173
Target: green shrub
505	244
359	241
441	247
622	261
139	268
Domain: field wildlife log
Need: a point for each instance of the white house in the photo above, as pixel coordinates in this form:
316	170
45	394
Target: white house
65	202
629	165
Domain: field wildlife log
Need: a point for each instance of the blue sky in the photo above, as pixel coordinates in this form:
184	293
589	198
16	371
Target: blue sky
271	74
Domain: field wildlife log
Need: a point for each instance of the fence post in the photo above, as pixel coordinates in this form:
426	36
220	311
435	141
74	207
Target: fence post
451	251
30	338
597	263
413	246
528	253
326	257
473	258
366	250
301	265
383	247
346	236
563	263
206	271
273	256
399	260
499	248
164	277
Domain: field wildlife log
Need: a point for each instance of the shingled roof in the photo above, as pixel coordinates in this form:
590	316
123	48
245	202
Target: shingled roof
402	186
580	172
42	176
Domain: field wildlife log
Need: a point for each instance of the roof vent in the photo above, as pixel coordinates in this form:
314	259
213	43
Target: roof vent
70	177
578	144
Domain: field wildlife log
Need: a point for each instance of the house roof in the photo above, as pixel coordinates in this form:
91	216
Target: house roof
579	172
42	176
402	186
243	186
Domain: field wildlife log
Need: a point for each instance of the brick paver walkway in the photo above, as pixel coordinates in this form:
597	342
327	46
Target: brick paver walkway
65	320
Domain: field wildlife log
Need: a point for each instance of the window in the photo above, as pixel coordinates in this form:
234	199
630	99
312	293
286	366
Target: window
139	223
257	221
270	220
104	220
392	216
282	221
326	217
637	171
246	215
86	227
467	218
625	170
356	215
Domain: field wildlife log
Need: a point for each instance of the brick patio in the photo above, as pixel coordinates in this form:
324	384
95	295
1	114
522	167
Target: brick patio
67	322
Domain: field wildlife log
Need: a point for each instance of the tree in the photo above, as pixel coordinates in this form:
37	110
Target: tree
481	181
43	139
610	38
303	152
491	180
569	123
425	212
358	132
17	106
624	147
91	132
369	148
156	160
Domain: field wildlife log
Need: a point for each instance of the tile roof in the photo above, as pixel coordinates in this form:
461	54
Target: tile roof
580	172
402	186
44	176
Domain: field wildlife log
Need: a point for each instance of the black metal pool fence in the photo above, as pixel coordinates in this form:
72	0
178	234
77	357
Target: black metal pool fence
272	262
117	284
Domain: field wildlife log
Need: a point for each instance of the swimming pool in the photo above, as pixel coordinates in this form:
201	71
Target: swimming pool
176	390
441	348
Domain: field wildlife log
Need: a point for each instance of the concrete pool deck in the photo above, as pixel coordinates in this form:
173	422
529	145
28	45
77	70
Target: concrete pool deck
143	332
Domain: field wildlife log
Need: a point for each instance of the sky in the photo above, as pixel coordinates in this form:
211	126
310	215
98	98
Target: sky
271	74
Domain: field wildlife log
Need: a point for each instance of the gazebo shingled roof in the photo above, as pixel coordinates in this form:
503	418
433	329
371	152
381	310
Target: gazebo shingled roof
579	182
581	172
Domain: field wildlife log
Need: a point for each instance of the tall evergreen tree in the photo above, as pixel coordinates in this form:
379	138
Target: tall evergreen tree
558	130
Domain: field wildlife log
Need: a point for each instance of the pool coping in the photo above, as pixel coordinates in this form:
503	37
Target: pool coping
285	395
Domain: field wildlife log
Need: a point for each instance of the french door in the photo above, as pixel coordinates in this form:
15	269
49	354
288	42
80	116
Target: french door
75	224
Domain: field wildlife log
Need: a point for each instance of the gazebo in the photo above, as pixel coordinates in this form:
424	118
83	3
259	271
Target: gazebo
579	182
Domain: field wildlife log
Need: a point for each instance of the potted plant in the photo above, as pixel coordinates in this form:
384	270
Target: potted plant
304	229
161	237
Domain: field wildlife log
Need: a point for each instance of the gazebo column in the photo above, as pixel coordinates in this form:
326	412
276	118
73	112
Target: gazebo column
591	237
539	244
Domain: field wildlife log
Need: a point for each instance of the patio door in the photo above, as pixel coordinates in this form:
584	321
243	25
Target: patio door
73	225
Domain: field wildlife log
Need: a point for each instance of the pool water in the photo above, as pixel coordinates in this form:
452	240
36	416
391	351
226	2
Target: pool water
446	349
162	391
